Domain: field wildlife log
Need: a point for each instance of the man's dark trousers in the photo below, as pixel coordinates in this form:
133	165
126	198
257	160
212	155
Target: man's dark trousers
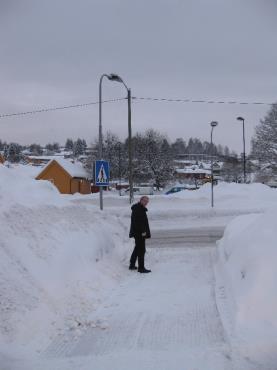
138	252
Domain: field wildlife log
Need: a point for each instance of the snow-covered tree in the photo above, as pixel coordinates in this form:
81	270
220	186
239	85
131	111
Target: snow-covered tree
84	145
194	146
178	147
152	158
264	142
219	149
14	153
35	149
6	151
78	147
56	147
226	151
115	152
69	144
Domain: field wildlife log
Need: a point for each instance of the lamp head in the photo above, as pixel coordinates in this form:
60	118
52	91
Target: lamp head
240	118
214	123
115	77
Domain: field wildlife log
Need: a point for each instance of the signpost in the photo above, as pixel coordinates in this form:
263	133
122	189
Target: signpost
102	176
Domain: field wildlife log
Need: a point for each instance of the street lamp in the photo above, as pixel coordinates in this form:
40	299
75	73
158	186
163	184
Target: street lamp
213	125
244	158
116	78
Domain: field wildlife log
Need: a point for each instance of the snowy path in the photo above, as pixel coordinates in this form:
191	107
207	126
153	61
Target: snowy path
160	321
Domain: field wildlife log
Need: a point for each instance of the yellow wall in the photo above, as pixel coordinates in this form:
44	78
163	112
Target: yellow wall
85	187
58	176
74	186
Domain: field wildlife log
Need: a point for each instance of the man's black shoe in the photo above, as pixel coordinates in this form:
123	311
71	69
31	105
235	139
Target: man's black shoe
143	271
133	267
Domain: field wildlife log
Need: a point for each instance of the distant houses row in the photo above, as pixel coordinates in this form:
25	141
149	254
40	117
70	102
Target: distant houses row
70	177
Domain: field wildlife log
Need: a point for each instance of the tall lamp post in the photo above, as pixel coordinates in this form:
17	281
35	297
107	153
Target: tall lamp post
213	125
117	78
244	158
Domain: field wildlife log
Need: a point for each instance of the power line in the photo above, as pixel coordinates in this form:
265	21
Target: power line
202	101
51	109
43	110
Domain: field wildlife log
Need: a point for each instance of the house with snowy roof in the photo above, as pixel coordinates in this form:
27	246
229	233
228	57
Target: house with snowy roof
192	173
68	177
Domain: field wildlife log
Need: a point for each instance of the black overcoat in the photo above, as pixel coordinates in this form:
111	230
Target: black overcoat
139	222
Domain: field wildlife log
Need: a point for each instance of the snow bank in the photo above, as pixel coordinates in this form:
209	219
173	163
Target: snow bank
249	256
17	186
232	195
57	260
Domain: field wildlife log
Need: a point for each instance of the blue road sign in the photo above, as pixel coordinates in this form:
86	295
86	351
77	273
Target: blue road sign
102	173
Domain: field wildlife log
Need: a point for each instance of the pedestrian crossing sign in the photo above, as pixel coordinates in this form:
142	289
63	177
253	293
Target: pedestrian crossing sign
102	173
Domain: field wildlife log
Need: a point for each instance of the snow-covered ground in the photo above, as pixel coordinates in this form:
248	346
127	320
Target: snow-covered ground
67	299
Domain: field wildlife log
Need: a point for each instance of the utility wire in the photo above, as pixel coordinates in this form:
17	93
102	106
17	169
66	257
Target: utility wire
50	109
202	101
43	110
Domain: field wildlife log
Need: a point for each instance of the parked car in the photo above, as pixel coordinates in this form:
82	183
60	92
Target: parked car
141	190
176	189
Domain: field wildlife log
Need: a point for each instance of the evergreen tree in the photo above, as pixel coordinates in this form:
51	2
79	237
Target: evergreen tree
84	145
14	153
78	147
35	149
219	149
56	147
226	151
178	147
206	148
6	151
69	144
49	148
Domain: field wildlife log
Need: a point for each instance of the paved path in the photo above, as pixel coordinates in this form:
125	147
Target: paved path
166	320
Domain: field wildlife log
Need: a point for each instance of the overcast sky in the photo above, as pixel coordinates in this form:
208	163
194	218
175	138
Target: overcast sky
53	53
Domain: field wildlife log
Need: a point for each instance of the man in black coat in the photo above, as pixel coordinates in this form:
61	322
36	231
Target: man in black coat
140	231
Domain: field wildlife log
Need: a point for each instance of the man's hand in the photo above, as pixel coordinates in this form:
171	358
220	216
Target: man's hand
143	234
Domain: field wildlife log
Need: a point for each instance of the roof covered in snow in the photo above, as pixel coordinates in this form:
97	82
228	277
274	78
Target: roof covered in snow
192	170
73	169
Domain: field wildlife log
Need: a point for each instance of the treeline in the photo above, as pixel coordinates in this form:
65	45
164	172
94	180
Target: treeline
153	155
14	152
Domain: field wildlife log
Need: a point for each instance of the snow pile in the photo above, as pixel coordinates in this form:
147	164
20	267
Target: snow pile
249	256
18	187
232	195
57	260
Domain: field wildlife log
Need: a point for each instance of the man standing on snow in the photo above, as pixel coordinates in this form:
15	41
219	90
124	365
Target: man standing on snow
140	231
